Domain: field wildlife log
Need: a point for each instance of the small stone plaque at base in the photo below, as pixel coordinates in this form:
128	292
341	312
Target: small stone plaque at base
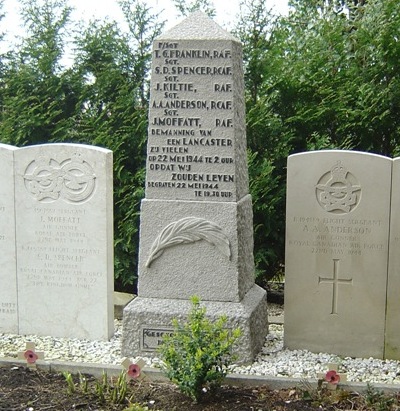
151	337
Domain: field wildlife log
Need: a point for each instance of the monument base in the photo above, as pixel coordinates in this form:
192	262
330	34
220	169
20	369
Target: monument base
146	320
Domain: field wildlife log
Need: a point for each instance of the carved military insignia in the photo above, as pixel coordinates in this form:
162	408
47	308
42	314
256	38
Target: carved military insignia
48	180
338	191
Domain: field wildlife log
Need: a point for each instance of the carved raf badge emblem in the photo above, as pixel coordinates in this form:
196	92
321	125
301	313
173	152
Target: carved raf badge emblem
338	191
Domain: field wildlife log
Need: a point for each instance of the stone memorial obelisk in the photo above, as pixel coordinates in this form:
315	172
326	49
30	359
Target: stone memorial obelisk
196	233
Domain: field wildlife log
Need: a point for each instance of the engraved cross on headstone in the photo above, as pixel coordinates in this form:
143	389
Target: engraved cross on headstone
335	281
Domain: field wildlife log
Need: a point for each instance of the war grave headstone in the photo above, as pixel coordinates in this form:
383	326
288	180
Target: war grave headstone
392	331
337	231
8	275
64	230
196	235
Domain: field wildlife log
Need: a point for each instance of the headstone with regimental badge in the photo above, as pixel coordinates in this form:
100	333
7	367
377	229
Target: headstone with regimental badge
337	240
196	235
8	275
64	240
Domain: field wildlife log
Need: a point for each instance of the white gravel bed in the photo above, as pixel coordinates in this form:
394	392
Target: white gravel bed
279	362
274	360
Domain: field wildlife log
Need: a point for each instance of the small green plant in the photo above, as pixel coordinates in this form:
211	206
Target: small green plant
320	396
308	392
102	387
118	392
70	382
197	354
83	383
107	390
377	400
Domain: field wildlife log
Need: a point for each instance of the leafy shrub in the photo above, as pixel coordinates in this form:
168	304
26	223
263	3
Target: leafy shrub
197	354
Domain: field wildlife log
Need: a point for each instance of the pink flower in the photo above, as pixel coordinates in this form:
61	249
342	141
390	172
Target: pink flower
30	356
134	371
332	377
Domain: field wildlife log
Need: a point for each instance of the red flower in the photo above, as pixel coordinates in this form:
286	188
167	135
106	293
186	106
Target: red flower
134	371
30	356
332	377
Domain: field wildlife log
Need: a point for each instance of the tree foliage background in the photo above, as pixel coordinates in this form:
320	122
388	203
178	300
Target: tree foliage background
325	76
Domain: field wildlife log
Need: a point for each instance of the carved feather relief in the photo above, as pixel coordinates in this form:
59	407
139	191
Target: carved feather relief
189	230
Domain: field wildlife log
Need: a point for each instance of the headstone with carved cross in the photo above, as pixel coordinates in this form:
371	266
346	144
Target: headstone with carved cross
337	231
30	355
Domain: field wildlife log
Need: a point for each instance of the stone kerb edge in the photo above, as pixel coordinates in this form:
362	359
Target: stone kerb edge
156	375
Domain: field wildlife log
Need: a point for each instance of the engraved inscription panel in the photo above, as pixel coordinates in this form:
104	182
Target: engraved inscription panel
61	247
336	236
151	337
191	149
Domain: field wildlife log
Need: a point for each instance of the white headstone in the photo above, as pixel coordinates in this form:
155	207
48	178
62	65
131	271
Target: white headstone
64	231
392	335
338	210
8	277
196	235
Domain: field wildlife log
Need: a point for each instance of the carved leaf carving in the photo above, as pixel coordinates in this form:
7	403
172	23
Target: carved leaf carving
189	230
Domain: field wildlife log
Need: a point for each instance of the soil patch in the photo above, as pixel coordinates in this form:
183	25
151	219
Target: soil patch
35	390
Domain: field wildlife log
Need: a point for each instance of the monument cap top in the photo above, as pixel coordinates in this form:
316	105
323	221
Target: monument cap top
197	26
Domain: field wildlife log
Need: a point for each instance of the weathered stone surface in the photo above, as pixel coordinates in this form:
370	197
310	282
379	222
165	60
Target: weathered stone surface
338	210
217	269
8	276
147	319
196	232
197	144
64	215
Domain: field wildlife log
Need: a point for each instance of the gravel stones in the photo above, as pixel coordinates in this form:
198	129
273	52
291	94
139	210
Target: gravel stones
274	360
